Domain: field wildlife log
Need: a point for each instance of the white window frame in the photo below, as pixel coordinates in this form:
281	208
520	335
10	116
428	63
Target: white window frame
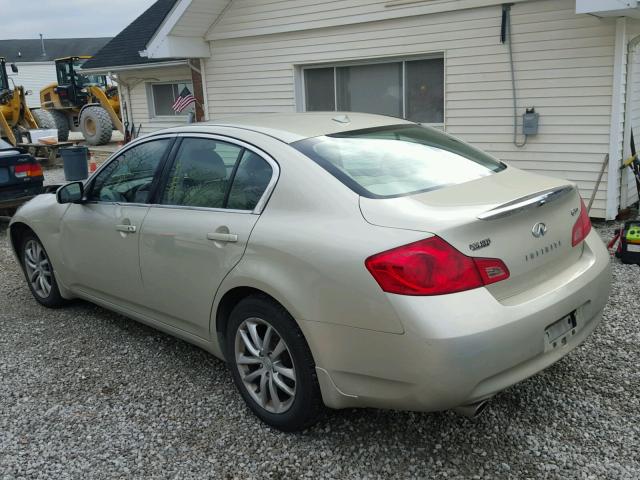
301	99
152	103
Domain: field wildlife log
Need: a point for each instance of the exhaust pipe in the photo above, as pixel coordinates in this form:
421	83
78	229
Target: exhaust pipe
473	410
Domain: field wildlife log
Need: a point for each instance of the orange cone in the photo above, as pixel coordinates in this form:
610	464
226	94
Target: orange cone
93	166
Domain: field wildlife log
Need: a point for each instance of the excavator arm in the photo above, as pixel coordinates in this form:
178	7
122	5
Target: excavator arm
6	131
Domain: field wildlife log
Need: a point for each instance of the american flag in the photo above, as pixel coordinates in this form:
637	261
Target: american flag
185	99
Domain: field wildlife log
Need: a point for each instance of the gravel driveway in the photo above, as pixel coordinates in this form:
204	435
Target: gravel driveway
85	393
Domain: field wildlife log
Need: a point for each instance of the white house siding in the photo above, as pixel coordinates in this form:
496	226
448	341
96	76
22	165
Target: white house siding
261	17
629	189
134	90
564	68
34	77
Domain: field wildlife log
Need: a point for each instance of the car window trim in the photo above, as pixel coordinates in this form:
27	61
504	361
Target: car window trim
232	177
164	173
244	146
91	181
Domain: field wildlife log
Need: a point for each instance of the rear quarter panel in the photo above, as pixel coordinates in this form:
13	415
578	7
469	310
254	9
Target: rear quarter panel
308	249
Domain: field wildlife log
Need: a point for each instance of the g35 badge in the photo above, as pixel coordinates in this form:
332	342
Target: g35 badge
481	244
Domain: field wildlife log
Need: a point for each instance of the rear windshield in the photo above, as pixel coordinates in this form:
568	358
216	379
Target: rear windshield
398	160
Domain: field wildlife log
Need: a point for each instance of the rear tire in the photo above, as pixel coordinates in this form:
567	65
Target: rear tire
43	118
96	125
38	272
274	372
62	124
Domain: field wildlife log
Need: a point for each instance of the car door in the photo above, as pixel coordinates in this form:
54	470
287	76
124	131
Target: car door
99	238
198	229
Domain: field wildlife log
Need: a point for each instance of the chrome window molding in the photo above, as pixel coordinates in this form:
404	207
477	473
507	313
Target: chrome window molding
275	175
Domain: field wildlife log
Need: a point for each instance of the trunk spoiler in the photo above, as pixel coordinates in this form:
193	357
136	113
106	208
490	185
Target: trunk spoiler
528	202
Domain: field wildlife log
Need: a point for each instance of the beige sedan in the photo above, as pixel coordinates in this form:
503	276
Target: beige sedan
340	260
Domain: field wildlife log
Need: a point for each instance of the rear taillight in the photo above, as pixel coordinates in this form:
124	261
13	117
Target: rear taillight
28	170
432	267
582	226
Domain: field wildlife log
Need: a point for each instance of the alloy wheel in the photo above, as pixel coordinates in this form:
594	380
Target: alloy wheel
265	365
38	268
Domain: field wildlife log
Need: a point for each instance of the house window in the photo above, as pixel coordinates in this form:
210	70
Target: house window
411	89
164	95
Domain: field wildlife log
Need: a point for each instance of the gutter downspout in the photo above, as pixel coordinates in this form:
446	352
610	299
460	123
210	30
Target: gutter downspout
205	96
617	100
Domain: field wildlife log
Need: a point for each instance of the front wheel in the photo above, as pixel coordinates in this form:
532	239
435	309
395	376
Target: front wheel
96	125
38	271
272	365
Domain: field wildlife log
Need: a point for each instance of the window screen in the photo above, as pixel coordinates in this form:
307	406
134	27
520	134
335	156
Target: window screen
411	89
320	90
371	89
425	90
164	95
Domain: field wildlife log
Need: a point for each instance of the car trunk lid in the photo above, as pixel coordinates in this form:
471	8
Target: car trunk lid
526	220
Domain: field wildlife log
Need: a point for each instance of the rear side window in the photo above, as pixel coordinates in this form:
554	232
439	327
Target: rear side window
250	182
200	174
214	174
398	160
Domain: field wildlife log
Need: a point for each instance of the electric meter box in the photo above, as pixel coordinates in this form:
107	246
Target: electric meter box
530	122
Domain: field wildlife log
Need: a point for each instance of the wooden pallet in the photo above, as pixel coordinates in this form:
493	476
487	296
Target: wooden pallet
45	154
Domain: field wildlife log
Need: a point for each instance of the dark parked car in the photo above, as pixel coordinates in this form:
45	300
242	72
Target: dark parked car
21	177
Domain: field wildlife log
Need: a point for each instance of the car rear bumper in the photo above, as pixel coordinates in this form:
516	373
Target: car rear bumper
17	195
462	348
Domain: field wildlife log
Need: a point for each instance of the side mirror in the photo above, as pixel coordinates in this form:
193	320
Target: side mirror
70	193
14	68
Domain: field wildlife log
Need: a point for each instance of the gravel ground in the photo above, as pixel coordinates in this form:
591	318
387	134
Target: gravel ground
85	393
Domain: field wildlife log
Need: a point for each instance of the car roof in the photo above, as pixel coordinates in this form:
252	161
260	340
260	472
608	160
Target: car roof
291	127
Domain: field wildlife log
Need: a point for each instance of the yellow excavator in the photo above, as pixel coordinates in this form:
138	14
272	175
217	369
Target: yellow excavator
82	102
15	117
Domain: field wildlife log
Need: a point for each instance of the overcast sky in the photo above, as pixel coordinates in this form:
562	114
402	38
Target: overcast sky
68	18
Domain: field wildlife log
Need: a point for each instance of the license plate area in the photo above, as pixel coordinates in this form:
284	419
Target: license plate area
559	332
4	175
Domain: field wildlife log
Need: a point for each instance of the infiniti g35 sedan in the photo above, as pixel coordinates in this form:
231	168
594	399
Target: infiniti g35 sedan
331	259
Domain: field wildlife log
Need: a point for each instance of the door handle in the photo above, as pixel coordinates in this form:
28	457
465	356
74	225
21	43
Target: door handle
222	237
126	228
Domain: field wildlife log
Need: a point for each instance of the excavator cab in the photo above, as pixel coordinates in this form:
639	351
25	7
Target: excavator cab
4	78
81	102
72	84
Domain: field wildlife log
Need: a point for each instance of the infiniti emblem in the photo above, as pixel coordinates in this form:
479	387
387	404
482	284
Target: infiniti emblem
539	230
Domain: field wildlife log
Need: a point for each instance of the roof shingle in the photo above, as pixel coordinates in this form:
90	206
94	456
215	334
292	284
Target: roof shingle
30	50
125	47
